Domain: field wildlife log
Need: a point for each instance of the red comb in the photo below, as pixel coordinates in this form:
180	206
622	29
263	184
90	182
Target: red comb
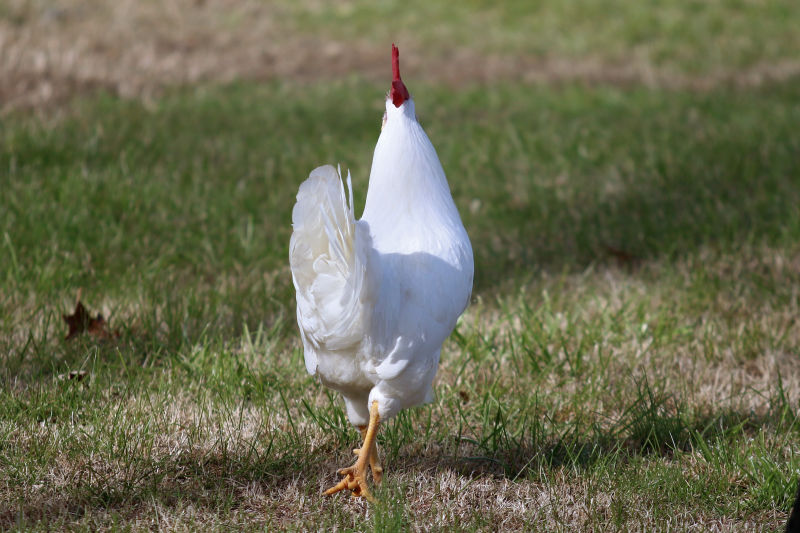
399	93
395	63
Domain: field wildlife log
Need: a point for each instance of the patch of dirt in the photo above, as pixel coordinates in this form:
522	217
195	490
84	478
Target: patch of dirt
52	51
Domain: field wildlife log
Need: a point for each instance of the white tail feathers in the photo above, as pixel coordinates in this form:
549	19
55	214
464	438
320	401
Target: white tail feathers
328	257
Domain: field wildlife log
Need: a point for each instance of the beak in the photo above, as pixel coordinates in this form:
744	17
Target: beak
383	120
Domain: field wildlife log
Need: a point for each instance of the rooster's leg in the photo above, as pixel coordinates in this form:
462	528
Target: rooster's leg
355	477
374	459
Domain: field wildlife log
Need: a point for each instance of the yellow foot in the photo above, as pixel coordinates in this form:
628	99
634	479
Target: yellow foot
355	477
355	481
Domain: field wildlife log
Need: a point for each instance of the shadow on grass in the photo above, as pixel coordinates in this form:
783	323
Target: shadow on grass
654	425
218	482
673	175
221	481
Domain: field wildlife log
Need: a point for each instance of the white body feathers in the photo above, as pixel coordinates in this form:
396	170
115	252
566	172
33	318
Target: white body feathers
377	297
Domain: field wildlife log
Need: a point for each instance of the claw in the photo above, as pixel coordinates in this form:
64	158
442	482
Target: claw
355	478
336	488
352	481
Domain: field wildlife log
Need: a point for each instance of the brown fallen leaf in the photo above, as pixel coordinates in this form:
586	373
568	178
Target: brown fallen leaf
623	258
81	321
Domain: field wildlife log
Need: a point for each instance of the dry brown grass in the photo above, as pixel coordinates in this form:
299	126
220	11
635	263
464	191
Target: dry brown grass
52	51
437	496
189	444
734	350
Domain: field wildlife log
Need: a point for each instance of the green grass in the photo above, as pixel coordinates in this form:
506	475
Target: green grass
683	37
580	391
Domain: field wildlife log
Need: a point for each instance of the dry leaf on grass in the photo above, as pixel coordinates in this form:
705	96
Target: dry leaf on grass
81	321
624	258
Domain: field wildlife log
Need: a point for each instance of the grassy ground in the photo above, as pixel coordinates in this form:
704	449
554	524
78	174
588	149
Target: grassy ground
52	50
631	359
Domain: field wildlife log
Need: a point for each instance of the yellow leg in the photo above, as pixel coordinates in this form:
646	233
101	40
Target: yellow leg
374	459
355	477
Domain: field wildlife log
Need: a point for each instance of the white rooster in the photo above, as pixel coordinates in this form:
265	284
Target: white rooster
377	297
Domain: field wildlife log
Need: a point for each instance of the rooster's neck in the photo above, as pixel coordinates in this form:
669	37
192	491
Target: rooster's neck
408	200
